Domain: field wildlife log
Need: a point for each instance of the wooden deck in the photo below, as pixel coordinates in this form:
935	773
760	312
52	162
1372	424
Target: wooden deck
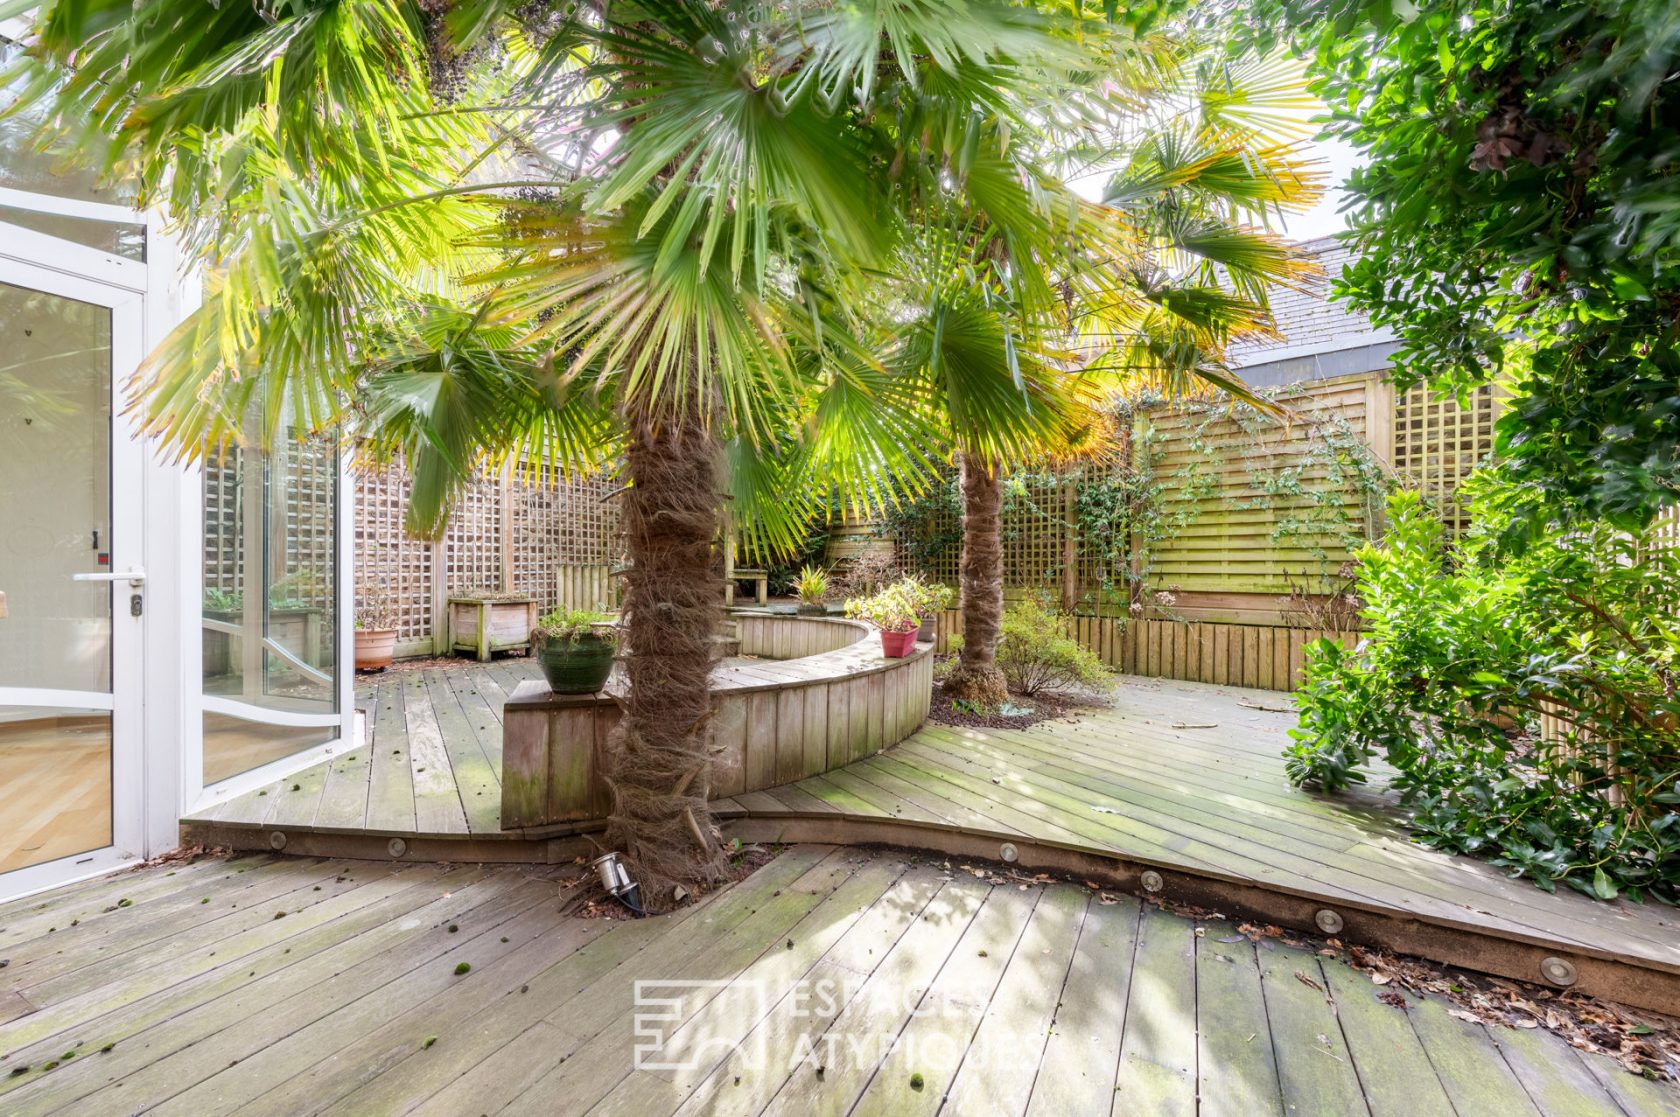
1182	778
831	981
430	764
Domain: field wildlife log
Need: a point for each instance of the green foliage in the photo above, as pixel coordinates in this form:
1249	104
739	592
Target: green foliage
812	585
782	567
568	626
901	606
1457	667
218	600
1035	653
1516	217
926	526
374	613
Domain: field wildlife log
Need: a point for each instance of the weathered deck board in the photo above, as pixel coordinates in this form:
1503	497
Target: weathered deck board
1003	998
1185	775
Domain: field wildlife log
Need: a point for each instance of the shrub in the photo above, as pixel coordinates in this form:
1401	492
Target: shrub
1035	653
568	626
892	609
375	614
1457	668
811	585
901	606
868	573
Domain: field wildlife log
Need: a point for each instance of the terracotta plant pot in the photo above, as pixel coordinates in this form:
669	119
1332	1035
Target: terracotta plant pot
580	667
374	648
897	645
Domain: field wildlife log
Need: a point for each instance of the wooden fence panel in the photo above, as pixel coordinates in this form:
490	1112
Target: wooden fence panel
1260	497
579	586
1266	657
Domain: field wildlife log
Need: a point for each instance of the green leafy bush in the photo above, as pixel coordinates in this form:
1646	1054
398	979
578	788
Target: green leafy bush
1459	665
901	606
1035	653
568	626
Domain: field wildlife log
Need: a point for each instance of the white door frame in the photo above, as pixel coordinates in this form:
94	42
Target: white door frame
159	777
21	267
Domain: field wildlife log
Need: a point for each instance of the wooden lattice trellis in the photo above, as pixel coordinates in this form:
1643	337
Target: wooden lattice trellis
513	530
389	562
1033	535
1437	443
556	520
1250	499
301	521
309	497
473	540
223	556
1258	498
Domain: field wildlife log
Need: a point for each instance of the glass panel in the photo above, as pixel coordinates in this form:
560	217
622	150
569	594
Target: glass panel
23	166
234	745
55	501
127	241
55	508
270	599
56	768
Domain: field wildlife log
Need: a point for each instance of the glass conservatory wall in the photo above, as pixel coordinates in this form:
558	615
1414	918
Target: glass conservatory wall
271	603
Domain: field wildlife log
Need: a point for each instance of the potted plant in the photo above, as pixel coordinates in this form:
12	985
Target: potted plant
893	611
224	609
376	633
575	648
927	598
812	587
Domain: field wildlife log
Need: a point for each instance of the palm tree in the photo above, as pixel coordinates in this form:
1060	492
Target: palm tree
596	228
1015	305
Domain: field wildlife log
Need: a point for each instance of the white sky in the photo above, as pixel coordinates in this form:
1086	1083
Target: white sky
1323	220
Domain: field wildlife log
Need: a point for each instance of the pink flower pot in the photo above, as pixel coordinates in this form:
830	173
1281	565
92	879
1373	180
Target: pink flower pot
897	645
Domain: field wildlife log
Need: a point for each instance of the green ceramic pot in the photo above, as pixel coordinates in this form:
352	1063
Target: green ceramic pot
580	667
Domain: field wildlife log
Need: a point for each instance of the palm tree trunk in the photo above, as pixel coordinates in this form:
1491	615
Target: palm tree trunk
658	757
977	677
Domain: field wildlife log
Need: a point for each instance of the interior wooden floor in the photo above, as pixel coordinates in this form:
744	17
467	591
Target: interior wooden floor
234	745
1181	776
55	789
831	981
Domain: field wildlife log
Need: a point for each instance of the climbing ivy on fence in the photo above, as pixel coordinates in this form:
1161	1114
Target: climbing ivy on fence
1124	507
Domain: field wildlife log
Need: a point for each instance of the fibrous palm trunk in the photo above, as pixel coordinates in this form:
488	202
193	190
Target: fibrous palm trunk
659	756
977	677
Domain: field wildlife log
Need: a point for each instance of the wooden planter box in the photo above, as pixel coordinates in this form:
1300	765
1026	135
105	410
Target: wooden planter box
297	629
484	626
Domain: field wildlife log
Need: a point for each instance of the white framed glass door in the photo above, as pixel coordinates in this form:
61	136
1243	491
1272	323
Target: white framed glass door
71	551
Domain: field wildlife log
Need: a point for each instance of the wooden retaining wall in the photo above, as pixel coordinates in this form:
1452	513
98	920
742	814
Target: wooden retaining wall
1269	657
784	637
775	721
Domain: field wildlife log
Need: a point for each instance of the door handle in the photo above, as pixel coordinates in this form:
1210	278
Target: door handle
136	578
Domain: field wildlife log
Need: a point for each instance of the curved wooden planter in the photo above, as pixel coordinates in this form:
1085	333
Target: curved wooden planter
831	698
